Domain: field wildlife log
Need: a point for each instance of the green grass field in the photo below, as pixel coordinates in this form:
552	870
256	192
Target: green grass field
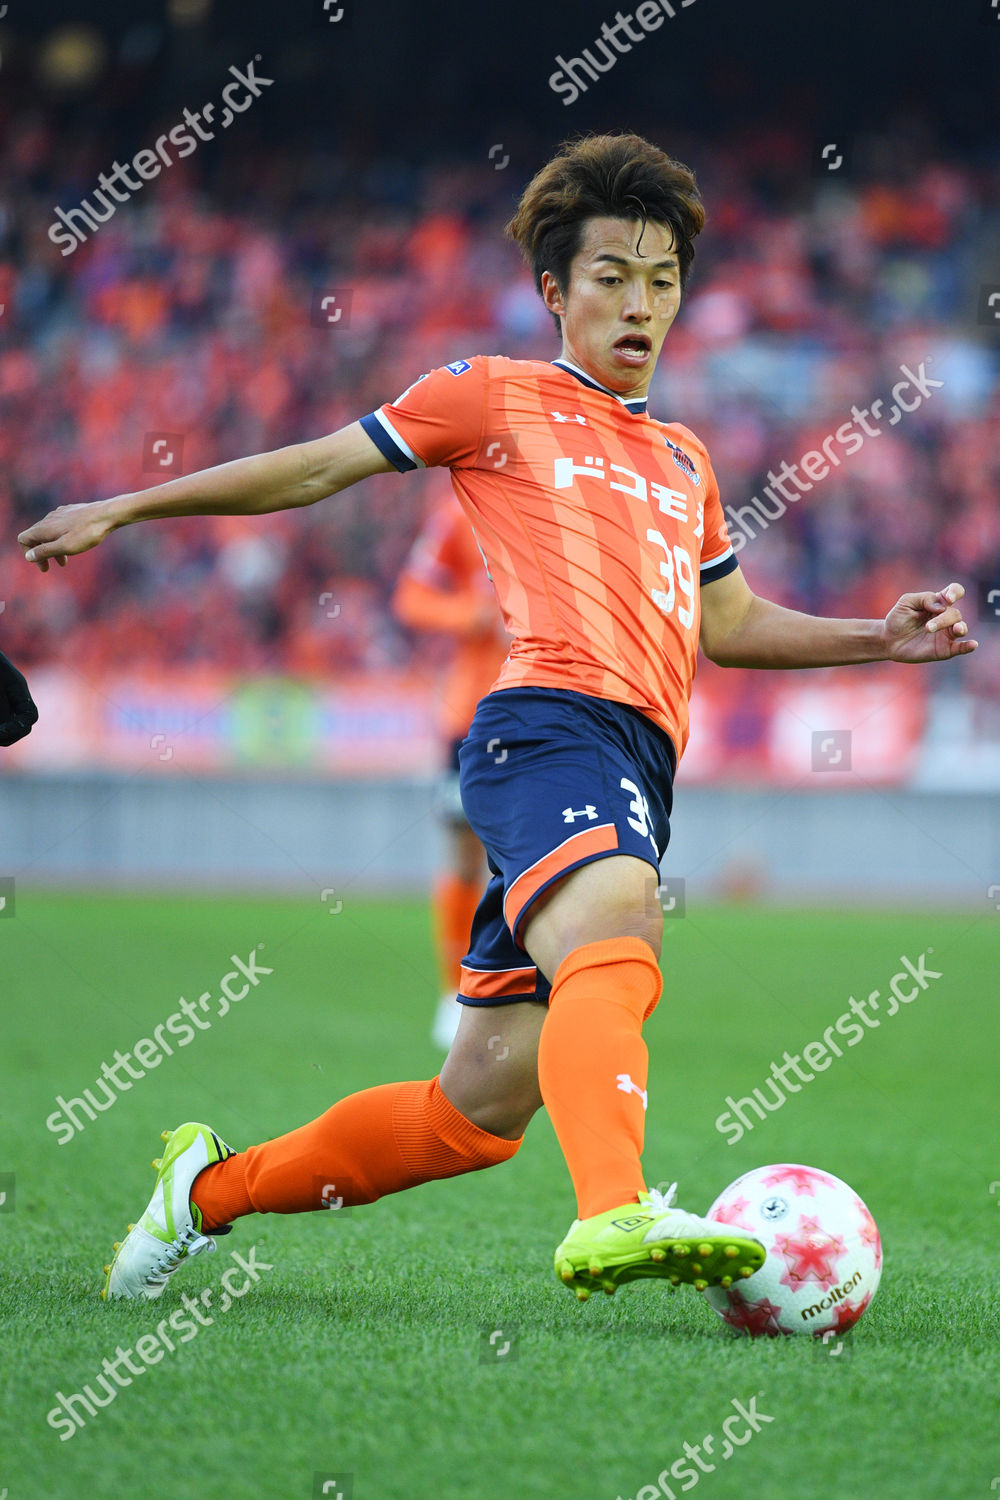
360	1352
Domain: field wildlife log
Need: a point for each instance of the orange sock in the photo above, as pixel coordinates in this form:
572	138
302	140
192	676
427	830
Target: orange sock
379	1141
454	906
592	1067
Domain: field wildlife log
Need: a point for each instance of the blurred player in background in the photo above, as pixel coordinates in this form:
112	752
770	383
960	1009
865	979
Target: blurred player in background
17	711
444	588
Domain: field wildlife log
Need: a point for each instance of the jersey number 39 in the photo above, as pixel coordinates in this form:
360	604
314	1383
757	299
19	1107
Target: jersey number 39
678	576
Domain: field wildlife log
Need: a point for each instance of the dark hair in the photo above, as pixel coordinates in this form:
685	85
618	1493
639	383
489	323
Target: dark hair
603	176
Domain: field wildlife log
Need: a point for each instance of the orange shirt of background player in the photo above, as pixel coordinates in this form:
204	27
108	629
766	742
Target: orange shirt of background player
444	587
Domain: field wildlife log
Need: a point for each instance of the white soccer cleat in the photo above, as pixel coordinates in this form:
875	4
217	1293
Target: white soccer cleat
170	1230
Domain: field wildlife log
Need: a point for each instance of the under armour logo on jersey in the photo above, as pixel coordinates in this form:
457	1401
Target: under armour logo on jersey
573	417
626	1086
589	812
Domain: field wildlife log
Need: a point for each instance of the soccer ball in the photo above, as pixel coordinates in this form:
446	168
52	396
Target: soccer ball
824	1254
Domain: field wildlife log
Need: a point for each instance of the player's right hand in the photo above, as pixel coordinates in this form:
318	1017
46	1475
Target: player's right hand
66	531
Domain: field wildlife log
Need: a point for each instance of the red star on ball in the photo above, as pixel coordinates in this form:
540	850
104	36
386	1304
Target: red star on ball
848	1313
868	1233
804	1179
734	1212
810	1255
754	1318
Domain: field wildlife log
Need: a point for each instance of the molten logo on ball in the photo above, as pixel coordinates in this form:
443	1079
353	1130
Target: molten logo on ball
824	1254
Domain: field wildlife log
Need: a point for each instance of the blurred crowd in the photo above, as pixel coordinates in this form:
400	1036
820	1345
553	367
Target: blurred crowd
194	315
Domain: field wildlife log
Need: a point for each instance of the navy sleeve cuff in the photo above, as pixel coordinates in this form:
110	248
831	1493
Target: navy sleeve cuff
712	571
385	444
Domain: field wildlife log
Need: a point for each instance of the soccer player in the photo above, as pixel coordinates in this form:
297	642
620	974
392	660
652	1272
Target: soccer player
17	711
604	535
444	588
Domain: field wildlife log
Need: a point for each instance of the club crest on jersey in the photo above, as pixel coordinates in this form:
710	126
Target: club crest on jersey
458	366
683	462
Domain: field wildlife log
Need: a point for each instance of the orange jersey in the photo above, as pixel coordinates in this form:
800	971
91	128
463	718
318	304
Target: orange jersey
598	524
444	587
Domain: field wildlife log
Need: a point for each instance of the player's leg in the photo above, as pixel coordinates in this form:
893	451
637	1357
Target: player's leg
491	1073
598	932
572	801
614	897
571	797
379	1141
396	1135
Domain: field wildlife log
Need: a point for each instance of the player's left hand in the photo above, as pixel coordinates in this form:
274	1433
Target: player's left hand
927	627
17	711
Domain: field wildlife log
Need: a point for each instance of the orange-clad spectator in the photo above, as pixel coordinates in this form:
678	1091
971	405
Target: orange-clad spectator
444	588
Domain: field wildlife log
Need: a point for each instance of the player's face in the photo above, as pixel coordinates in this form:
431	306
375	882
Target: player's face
623	294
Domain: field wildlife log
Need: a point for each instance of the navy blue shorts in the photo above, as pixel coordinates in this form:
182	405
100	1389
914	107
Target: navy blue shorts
552	780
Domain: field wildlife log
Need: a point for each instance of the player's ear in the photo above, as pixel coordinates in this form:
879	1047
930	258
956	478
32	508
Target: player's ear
552	296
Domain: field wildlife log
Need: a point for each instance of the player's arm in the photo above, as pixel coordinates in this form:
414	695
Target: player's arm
738	629
281	480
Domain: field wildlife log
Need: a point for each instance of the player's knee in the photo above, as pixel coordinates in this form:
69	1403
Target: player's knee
500	1099
552	947
629	922
501	1109
507	1118
652	938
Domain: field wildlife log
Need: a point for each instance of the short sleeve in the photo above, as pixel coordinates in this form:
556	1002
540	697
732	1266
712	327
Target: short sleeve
437	422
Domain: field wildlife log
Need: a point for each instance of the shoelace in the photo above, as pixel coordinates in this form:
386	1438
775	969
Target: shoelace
188	1242
659	1202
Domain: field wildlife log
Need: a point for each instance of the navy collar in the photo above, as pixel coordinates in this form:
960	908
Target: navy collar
638	405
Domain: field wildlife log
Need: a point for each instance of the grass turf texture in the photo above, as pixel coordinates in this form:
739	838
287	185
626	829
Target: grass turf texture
360	1351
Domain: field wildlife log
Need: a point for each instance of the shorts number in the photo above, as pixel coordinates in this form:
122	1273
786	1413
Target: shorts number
677	572
639	807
